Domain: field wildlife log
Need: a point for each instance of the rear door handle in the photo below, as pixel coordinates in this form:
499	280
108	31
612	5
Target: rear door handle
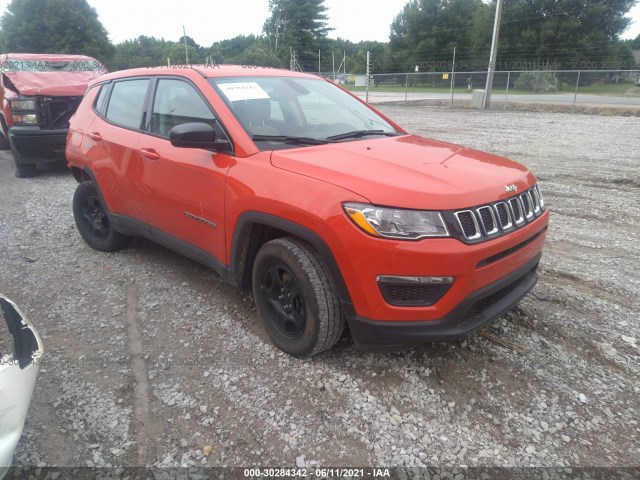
94	136
150	153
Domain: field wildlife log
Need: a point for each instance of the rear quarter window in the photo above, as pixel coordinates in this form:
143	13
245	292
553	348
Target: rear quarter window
100	105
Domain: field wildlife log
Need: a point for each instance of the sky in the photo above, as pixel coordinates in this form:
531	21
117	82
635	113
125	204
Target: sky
212	21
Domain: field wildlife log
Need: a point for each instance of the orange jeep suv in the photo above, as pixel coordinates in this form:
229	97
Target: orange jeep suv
331	212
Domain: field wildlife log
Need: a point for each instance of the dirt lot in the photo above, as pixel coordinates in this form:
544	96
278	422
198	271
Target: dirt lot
150	358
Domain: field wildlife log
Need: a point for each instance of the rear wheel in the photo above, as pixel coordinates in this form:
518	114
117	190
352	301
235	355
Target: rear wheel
295	298
92	220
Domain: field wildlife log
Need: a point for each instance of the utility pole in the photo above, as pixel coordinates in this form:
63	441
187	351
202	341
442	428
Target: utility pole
186	52
319	68
453	76
333	61
367	79
486	102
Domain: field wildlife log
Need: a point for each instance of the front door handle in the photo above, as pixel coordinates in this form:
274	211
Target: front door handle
94	136
150	153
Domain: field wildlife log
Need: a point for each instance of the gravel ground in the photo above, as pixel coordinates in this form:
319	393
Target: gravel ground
152	361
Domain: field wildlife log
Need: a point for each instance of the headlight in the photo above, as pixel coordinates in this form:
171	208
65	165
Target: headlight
24	105
396	223
28	119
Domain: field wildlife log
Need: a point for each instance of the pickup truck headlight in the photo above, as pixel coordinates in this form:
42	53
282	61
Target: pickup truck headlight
25	119
396	223
24	105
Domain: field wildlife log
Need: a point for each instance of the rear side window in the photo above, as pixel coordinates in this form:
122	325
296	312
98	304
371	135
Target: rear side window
126	104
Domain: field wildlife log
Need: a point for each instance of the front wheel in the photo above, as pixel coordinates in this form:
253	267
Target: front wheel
295	298
92	220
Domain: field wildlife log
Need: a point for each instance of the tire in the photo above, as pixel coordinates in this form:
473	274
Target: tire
295	298
24	170
92	220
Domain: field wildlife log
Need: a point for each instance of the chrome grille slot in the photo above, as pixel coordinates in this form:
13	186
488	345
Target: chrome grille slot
503	215
527	205
516	210
535	196
468	224
488	220
540	197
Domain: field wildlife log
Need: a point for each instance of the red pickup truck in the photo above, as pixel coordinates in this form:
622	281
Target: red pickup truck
39	93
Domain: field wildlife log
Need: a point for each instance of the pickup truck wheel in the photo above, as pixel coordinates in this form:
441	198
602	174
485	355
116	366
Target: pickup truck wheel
92	220
24	170
295	298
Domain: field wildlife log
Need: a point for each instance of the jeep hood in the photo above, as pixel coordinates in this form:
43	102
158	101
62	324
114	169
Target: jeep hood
409	171
50	83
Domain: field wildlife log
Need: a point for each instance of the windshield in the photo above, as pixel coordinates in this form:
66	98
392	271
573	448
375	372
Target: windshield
284	112
79	65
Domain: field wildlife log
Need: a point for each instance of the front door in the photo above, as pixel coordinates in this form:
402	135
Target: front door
186	185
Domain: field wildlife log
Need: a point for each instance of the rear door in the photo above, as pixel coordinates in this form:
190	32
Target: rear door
113	146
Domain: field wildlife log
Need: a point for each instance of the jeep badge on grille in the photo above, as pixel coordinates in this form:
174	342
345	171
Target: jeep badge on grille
511	188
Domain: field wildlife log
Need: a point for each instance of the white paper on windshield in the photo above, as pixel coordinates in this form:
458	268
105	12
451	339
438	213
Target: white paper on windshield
242	91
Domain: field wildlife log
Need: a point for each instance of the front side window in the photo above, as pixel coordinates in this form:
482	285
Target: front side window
126	104
298	111
177	102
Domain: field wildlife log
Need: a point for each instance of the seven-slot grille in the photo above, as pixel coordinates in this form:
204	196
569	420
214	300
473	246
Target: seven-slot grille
489	221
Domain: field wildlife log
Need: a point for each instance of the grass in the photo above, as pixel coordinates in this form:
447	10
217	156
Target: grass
612	89
617	89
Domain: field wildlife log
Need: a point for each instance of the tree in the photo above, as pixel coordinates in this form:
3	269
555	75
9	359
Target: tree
425	33
634	44
297	24
54	26
563	34
176	54
140	52
534	34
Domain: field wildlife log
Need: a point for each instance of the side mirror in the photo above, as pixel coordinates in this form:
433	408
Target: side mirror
196	135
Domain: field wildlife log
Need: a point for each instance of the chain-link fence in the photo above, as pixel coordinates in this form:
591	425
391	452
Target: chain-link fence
571	87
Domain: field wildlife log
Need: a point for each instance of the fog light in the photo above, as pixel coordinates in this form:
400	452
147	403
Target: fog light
407	291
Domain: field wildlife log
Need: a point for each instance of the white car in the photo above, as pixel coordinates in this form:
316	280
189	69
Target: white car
20	354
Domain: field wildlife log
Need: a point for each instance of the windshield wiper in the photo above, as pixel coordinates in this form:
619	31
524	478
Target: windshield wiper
360	134
289	139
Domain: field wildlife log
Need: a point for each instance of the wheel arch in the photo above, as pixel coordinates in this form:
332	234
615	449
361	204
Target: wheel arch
254	229
83	174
